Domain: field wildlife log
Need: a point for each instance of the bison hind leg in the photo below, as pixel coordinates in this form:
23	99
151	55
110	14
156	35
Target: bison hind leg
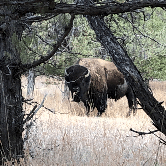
99	113
134	105
134	109
132	102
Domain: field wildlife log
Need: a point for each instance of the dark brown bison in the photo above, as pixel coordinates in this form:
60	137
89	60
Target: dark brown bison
92	81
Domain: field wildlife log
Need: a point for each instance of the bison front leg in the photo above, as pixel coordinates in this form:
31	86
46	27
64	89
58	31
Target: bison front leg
86	104
101	110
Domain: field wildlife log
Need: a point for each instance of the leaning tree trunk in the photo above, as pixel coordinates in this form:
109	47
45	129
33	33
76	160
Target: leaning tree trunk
11	114
123	62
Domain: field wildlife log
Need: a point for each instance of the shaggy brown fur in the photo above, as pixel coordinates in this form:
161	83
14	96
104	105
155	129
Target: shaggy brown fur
97	71
105	75
104	81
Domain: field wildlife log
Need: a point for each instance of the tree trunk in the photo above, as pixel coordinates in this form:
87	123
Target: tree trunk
11	125
123	62
11	114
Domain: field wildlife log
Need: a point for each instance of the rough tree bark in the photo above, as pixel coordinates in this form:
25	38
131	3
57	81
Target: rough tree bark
102	8
151	106
11	115
11	112
11	68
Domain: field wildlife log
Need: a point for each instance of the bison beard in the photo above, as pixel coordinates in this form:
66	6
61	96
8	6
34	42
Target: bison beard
93	80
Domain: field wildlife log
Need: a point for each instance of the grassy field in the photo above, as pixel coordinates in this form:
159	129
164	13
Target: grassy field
69	138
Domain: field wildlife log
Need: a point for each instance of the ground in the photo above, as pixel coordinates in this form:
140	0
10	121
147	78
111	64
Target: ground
68	137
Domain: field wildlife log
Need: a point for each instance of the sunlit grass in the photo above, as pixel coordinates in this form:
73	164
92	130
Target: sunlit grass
69	137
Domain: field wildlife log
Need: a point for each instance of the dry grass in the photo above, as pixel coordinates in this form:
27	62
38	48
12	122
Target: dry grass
66	139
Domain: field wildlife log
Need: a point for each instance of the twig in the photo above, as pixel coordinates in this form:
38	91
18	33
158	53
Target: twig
34	111
134	27
44	41
29	48
34	102
30	114
38	18
143	133
161	140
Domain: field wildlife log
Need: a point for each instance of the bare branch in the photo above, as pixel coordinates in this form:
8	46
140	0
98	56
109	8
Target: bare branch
35	18
34	111
134	27
104	8
32	102
55	48
29	48
161	140
18	2
30	115
44	41
150	132
50	9
140	133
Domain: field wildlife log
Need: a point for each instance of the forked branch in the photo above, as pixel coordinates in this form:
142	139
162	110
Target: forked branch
34	111
140	133
43	59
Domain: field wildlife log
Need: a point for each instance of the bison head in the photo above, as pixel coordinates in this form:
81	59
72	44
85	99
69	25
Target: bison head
78	80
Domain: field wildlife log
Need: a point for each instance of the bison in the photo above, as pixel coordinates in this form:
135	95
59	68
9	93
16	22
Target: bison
92	81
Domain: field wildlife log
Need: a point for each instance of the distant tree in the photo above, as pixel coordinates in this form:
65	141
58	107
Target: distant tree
16	17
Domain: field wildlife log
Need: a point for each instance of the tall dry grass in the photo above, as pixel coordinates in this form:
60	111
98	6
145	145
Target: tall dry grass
69	138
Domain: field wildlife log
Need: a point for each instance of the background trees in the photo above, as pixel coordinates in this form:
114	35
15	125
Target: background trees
140	34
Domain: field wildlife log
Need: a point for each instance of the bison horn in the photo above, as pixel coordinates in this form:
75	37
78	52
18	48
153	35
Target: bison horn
66	73
87	75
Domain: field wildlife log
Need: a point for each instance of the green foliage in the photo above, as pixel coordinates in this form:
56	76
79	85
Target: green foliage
59	66
153	53
84	42
144	40
80	43
137	31
154	67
